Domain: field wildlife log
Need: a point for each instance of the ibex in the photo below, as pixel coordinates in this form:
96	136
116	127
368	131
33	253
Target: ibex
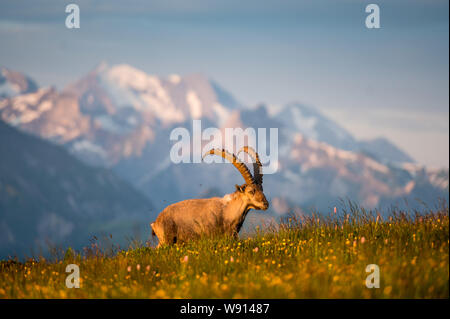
193	218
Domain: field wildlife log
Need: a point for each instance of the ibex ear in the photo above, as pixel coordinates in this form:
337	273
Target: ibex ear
239	188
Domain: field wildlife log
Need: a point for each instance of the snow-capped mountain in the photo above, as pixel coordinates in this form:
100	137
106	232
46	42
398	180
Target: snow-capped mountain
128	108
120	117
175	99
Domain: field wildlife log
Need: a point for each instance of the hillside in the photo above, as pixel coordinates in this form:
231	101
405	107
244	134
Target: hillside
303	258
48	196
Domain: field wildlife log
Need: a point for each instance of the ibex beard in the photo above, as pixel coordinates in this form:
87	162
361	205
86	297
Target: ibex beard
194	218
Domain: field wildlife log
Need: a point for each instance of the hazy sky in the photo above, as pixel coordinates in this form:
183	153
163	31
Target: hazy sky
390	82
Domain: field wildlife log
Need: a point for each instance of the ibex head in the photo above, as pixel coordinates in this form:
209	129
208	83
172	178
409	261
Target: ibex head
252	191
253	195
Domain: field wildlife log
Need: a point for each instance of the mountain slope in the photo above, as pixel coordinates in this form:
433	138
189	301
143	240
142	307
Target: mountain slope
13	83
47	195
298	118
385	151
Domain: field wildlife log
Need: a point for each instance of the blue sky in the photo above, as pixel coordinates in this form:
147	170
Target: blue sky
390	82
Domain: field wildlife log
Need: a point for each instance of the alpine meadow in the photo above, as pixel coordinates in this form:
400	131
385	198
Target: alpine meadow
302	257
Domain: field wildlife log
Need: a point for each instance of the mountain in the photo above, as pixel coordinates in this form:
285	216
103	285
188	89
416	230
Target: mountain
322	173
13	83
52	115
382	149
299	118
111	89
48	196
122	118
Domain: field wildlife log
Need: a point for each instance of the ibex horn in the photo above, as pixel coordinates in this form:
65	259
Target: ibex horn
257	166
234	160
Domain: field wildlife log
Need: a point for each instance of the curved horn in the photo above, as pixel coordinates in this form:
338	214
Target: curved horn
237	163
257	166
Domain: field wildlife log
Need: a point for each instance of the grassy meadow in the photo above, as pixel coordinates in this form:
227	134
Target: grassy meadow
302	257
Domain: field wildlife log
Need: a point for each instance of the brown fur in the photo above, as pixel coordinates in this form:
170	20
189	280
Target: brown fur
193	218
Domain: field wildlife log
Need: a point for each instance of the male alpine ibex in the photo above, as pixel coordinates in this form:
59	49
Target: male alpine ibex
193	218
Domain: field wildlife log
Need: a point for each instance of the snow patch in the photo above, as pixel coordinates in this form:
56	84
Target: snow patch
303	123
195	105
108	124
88	146
221	112
174	79
274	109
130	87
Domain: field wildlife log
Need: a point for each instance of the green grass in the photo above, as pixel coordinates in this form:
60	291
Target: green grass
308	257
